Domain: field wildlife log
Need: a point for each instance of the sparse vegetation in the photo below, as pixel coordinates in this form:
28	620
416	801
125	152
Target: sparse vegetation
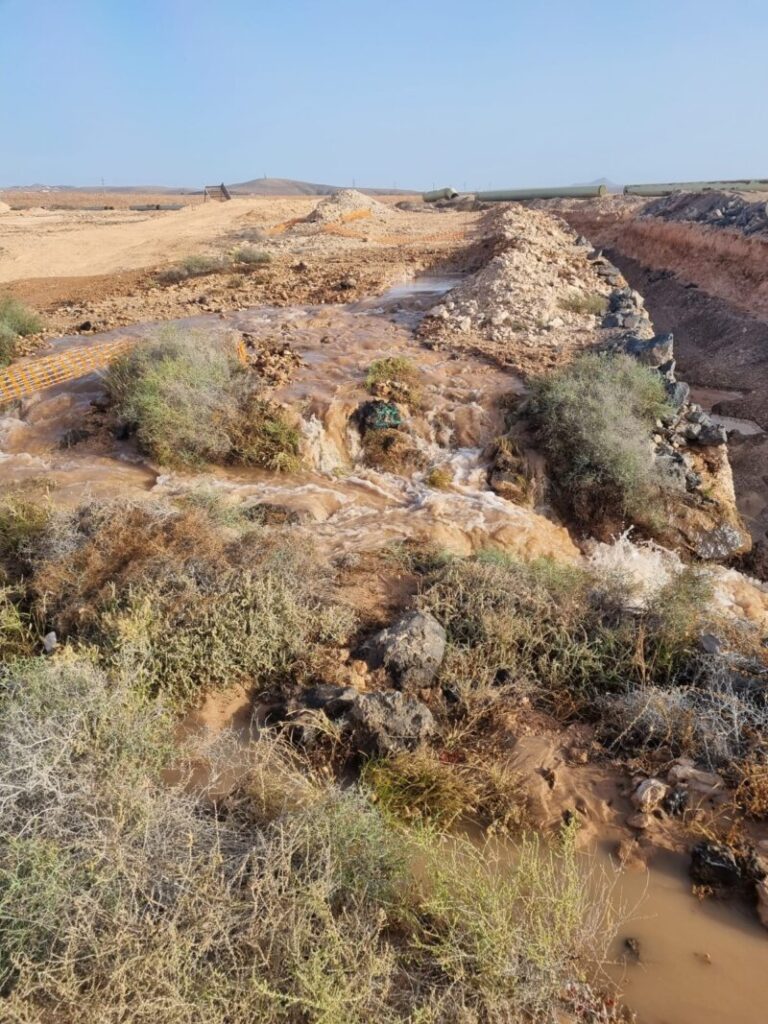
439	477
395	379
586	303
392	450
556	633
125	898
16	321
249	255
593	419
164	591
188	401
423	786
193	266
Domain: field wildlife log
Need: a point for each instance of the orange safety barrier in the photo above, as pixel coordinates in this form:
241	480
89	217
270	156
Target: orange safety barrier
37	374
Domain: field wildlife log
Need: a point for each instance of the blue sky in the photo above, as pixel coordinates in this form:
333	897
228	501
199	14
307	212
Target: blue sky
473	94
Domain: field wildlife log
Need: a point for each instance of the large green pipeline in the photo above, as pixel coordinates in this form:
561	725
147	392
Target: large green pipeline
519	194
751	185
439	193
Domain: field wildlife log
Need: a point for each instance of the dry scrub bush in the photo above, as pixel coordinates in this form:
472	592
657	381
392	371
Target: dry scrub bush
188	607
192	266
248	255
591	303
710	721
593	420
189	401
392	450
125	899
556	632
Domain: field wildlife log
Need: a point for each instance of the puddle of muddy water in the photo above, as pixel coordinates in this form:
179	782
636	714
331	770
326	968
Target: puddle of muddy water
701	962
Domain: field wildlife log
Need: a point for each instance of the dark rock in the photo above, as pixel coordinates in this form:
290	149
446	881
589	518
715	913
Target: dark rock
333	700
678	393
389	722
411	650
86	325
721	542
347	284
715	866
675	801
613	320
632	946
652	352
708	643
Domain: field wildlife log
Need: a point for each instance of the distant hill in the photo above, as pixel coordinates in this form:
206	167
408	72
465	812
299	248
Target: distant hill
255	187
288	187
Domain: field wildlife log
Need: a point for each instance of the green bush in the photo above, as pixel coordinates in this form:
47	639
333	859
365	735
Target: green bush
396	379
189	401
593	420
123	897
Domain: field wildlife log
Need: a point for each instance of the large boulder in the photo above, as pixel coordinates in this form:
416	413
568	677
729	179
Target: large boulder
411	650
657	351
389	723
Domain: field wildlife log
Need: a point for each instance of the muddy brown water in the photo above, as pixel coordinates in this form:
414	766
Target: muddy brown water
700	963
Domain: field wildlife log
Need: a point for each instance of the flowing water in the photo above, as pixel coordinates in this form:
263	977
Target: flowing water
700	963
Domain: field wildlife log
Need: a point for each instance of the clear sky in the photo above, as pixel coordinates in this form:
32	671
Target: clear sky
474	94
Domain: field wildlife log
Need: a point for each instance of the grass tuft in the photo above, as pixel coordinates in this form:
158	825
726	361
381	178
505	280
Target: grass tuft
249	255
589	304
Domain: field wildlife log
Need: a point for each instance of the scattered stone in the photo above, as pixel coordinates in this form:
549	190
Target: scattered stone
640	821
411	650
654	352
684	773
649	795
333	700
50	642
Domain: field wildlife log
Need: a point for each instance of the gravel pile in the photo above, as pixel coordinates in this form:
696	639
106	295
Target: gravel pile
348	204
713	209
539	300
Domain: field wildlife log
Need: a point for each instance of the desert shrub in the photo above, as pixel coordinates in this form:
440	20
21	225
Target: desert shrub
15	317
439	477
394	378
392	450
593	420
167	592
192	266
16	321
7	345
261	436
23	518
425	786
555	632
250	256
590	303
122	898
709	720
189	401
16	634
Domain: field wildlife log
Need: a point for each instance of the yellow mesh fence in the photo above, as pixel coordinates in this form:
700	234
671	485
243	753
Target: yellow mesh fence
38	374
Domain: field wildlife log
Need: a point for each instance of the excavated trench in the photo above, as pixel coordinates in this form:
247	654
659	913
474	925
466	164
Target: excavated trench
699	963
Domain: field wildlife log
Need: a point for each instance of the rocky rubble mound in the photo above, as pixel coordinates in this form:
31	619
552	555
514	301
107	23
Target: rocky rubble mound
712	209
348	204
537	302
